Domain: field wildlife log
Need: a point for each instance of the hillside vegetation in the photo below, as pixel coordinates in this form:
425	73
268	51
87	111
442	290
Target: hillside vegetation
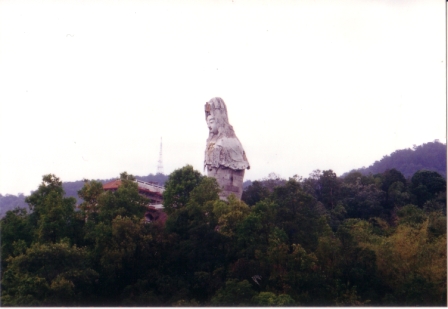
376	240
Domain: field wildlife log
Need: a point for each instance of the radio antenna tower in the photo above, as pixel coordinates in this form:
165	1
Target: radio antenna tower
160	162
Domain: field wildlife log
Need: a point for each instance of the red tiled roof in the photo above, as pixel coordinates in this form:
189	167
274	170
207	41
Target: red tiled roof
114	184
152	214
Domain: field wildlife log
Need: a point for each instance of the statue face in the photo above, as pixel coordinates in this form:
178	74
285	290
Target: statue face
211	123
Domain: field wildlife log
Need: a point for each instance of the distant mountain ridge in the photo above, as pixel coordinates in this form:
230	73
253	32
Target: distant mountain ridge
429	156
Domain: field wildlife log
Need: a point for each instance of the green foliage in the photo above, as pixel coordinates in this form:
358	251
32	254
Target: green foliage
337	215
390	177
125	201
178	187
53	214
90	193
411	215
410	260
437	224
234	293
256	192
206	191
50	184
230	215
14	228
249	233
397	195
328	189
48	275
270	299
353	178
198	210
362	201
426	185
320	241
126	176
297	214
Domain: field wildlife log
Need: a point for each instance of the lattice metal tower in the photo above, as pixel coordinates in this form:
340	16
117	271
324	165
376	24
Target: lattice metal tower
160	162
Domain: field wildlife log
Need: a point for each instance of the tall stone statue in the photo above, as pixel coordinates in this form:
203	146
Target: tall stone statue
225	158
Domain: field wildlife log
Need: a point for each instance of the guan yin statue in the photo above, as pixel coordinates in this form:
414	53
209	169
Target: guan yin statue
225	158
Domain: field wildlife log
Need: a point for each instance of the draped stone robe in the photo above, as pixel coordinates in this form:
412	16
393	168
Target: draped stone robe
226	161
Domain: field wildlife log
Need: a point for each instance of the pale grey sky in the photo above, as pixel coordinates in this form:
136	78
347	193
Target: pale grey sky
87	88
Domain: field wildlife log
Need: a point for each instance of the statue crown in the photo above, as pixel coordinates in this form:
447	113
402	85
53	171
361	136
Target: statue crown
208	106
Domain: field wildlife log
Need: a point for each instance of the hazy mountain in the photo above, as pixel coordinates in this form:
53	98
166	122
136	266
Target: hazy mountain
430	156
9	202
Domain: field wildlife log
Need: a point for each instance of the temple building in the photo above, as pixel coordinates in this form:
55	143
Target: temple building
149	190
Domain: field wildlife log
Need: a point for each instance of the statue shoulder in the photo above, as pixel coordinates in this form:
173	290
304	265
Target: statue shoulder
229	143
232	154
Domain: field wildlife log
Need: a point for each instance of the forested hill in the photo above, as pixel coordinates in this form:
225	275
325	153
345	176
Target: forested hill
375	240
430	156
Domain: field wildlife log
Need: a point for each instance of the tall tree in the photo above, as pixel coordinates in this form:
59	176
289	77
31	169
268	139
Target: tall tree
328	189
178	187
15	231
54	214
90	193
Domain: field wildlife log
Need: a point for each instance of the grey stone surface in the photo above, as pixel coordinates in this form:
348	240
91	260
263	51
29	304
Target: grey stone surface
225	158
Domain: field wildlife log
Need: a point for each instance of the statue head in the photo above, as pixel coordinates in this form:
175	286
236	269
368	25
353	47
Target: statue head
217	119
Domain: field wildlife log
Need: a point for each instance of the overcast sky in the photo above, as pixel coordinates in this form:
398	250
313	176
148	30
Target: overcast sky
88	88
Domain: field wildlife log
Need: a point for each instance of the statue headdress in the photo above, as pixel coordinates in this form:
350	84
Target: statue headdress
217	108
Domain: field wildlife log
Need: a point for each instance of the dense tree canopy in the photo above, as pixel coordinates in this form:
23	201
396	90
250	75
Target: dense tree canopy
377	240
